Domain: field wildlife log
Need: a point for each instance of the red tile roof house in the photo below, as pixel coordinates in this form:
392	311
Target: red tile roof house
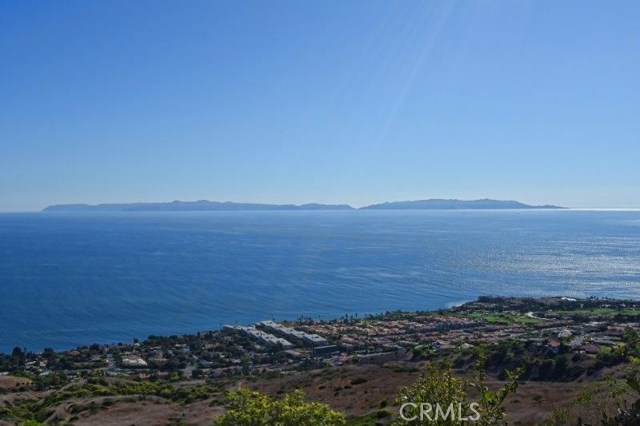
554	346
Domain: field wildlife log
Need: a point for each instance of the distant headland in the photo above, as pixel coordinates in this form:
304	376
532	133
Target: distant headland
204	205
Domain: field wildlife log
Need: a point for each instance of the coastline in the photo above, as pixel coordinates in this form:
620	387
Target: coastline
451	307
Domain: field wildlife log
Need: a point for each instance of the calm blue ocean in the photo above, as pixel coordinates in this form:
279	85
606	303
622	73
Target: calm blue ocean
71	279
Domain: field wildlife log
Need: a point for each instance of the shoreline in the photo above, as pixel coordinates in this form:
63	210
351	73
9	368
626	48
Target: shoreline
448	307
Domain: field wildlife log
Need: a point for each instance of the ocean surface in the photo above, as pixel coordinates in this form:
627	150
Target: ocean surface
68	279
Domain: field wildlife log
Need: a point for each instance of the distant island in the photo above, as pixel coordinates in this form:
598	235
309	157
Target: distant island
441	204
204	205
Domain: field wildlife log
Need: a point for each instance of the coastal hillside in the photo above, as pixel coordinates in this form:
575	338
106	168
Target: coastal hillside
541	360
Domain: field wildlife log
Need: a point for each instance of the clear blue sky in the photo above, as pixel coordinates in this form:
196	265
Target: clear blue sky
327	101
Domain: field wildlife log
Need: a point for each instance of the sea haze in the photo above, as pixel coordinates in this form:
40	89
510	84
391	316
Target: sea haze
68	279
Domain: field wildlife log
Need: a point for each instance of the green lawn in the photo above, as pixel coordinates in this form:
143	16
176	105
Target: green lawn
502	318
